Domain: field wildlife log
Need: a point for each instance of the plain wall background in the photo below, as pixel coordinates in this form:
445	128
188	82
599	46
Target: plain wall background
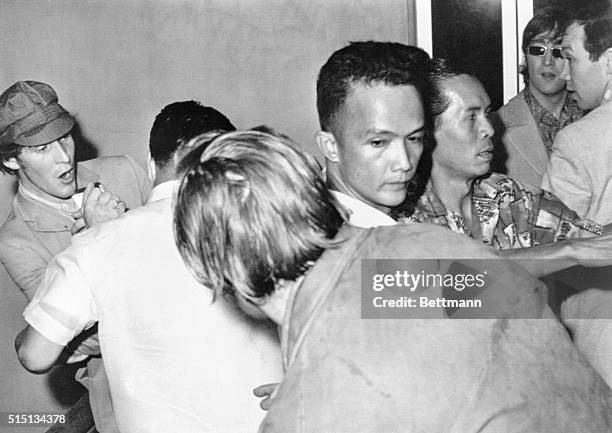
115	64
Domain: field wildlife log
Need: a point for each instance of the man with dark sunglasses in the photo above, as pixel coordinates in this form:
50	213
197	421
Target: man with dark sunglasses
527	125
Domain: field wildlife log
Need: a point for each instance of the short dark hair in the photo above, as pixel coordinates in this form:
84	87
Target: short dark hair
437	103
367	63
252	211
597	23
547	20
440	70
179	122
8	151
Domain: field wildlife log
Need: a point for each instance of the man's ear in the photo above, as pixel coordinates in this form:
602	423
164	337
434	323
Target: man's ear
11	163
328	145
608	59
151	168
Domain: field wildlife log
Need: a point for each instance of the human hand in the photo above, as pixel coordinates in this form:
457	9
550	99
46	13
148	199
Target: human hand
98	206
83	346
89	346
266	391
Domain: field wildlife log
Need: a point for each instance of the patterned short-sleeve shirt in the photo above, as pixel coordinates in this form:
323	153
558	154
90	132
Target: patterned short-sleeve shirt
510	215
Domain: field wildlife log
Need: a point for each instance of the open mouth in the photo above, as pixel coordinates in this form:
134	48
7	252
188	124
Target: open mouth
67	176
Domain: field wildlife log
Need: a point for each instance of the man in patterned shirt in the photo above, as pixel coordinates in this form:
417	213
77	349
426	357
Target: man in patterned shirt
527	224
461	194
528	124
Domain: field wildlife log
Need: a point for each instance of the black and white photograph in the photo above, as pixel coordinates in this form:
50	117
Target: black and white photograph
316	216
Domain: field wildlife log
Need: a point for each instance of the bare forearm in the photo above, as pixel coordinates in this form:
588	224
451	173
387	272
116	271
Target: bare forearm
543	260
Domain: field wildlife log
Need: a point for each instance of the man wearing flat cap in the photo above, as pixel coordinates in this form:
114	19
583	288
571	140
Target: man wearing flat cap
36	145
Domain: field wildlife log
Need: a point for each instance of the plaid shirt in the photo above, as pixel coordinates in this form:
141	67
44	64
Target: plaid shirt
510	216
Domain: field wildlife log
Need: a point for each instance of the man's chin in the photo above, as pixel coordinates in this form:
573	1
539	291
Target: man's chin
551	86
393	201
66	192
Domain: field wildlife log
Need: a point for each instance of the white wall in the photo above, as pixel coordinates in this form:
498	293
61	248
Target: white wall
115	64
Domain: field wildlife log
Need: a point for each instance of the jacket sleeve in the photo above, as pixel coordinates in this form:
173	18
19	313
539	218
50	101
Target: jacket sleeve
25	266
566	176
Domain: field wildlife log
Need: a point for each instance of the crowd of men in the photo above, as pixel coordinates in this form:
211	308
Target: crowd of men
171	285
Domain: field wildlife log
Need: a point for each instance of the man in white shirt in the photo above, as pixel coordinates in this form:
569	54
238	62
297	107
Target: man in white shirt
175	360
369	100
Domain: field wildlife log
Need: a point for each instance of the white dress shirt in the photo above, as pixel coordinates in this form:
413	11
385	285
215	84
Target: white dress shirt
176	361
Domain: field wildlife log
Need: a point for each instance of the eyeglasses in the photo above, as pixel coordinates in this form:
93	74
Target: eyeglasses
539	50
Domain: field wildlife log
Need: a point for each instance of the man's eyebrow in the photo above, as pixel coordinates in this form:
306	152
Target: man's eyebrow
474	108
418	130
373	131
477	108
376	131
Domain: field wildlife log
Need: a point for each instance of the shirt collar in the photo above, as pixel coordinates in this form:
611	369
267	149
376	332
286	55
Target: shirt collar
67	206
362	214
430	209
548	125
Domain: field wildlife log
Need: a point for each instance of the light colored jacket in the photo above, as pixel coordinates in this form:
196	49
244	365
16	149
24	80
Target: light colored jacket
579	168
34	233
347	373
518	140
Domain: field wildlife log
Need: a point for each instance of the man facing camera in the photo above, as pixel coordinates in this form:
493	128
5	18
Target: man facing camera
36	145
176	361
369	99
528	124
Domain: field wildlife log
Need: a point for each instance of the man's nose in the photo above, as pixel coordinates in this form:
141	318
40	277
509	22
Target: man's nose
60	152
401	158
548	57
565	72
487	129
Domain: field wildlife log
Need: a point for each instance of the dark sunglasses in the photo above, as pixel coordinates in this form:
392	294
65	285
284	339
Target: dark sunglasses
539	50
